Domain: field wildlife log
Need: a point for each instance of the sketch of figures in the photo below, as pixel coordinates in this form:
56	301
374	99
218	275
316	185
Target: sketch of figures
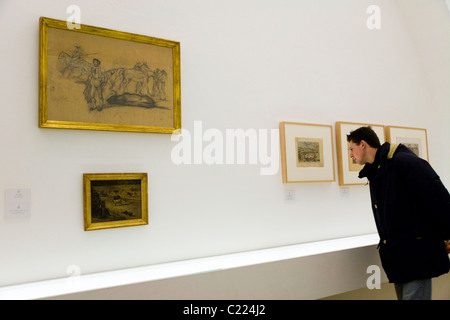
159	84
93	91
309	152
114	87
101	79
73	65
138	75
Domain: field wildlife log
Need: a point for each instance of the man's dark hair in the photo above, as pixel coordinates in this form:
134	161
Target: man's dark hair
366	134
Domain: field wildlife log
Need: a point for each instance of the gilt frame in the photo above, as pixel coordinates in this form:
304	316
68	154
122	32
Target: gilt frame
113	200
100	79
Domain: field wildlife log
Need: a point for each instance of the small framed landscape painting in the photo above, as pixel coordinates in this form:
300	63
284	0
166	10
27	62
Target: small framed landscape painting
113	200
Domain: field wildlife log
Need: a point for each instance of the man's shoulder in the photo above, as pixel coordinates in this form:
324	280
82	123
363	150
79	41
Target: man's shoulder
402	152
407	161
403	156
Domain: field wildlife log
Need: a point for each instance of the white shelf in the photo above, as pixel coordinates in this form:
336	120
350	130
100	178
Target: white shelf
82	283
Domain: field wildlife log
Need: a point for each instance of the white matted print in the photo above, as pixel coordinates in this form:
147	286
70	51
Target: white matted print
306	152
347	168
413	138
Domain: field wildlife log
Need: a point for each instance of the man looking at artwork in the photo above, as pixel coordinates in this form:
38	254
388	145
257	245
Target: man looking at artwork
411	208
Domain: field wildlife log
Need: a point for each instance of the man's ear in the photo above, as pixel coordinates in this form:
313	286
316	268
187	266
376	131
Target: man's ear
363	144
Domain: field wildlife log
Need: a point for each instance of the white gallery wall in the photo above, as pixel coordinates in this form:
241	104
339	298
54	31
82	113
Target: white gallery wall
245	64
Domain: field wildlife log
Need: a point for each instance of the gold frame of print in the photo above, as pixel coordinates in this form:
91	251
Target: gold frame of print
113	200
100	79
307	152
414	138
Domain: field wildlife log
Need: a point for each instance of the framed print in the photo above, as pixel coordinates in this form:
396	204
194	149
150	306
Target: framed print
113	200
99	79
414	138
306	152
348	169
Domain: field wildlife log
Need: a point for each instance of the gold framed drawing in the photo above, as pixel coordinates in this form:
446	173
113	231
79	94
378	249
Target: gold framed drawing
348	170
100	79
113	200
414	138
306	152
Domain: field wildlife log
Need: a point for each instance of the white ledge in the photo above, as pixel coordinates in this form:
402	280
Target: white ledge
102	280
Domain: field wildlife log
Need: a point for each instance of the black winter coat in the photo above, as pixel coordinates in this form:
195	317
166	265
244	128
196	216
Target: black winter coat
411	207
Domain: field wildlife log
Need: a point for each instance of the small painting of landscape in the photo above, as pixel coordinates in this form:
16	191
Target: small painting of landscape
309	152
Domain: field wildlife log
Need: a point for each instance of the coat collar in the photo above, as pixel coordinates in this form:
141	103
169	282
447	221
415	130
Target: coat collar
392	148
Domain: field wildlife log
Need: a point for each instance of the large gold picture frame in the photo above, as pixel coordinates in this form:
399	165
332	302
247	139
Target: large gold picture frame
100	79
113	200
307	152
348	169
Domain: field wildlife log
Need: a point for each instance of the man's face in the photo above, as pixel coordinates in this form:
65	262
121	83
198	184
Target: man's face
357	152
